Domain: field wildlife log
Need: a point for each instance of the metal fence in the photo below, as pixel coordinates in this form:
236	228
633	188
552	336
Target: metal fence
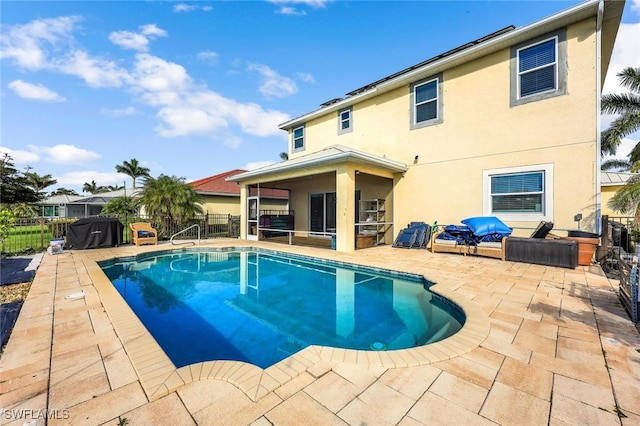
629	283
33	235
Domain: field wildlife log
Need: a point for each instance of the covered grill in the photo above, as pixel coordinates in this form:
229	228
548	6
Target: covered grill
94	232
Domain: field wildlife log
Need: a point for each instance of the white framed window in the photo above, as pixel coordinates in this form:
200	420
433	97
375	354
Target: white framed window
519	193
426	103
298	138
538	69
345	121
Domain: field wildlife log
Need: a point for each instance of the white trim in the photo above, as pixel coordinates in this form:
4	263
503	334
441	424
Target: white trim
546	214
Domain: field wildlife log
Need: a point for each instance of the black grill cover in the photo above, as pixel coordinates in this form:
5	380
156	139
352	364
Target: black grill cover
94	232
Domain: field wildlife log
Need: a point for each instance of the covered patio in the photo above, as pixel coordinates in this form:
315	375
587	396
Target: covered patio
337	194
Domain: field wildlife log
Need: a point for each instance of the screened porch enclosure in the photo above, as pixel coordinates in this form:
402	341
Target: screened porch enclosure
312	217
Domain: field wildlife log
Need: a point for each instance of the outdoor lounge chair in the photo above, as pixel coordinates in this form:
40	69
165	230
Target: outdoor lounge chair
143	233
416	235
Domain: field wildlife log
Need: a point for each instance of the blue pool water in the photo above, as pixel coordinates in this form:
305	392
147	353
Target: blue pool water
262	306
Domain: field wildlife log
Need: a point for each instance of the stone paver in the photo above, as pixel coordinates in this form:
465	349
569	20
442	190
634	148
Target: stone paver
541	345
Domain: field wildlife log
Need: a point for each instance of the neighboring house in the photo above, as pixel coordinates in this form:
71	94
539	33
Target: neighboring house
75	206
506	125
611	183
223	197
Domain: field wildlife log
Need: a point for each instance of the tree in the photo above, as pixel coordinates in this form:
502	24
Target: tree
627	106
133	169
63	191
25	210
170	200
627	199
38	183
121	206
93	188
14	187
112	188
7	221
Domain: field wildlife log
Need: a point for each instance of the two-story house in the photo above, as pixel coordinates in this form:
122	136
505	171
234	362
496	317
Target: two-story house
506	125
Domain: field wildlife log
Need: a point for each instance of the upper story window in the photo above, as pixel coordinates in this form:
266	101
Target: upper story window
426	103
519	193
538	69
298	138
345	121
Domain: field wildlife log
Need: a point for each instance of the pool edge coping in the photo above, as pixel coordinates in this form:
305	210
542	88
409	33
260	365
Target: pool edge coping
159	376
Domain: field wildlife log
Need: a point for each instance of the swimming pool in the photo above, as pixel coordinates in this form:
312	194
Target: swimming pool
261	306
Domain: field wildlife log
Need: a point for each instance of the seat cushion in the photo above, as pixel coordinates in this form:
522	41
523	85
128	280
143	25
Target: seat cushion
146	234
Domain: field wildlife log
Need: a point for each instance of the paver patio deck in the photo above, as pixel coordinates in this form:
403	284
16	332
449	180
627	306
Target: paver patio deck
542	345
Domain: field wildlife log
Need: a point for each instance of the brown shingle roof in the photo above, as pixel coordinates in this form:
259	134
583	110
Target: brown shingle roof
218	185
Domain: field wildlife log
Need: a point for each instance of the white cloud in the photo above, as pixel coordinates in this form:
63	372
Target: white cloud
626	53
64	154
257	164
95	72
188	109
129	40
36	92
137	41
208	56
27	44
273	84
305	77
183	108
82	177
288	10
124	112
182	7
152	30
20	157
157	75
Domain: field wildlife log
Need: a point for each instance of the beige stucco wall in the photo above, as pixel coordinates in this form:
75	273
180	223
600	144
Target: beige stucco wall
607	194
481	131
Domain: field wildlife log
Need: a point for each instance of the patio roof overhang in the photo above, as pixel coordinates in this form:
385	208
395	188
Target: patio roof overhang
326	160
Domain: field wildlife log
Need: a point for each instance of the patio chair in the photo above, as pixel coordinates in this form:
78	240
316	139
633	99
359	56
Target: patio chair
143	233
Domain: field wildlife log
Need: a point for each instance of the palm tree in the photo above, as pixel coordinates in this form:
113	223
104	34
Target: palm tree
170	200
112	188
133	169
93	188
627	106
38	183
121	206
627	199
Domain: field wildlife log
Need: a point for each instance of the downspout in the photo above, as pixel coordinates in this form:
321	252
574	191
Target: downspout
599	19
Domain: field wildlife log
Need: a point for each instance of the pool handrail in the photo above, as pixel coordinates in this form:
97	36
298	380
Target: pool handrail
184	230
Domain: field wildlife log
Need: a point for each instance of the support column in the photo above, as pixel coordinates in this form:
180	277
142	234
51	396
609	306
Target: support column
345	208
243	211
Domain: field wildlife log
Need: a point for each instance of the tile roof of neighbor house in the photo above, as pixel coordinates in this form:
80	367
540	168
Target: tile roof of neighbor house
218	185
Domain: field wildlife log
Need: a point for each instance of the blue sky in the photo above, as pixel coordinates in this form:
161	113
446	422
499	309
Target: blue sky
198	88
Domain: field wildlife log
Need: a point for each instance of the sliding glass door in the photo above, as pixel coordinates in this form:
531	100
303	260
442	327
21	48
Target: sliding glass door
322	213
